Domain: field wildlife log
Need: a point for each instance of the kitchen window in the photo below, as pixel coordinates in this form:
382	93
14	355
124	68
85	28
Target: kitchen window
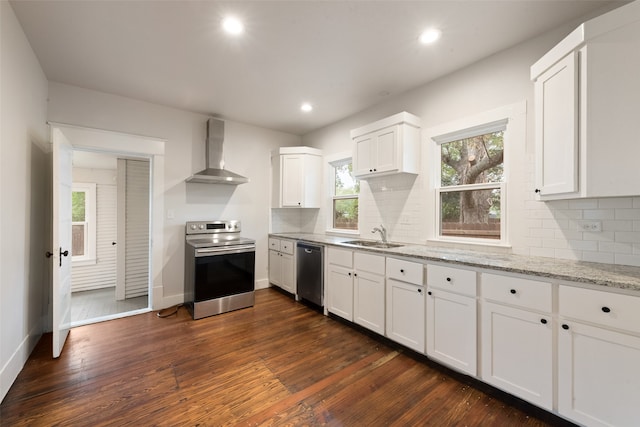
344	196
83	223
470	179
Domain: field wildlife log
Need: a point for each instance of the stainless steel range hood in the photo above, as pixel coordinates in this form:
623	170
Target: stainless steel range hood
215	173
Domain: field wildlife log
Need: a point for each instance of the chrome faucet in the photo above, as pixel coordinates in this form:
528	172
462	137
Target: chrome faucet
382	231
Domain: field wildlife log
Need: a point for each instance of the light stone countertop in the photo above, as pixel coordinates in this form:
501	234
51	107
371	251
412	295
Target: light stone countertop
609	275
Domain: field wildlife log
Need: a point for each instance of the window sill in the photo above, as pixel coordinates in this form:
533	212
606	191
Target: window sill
487	243
338	232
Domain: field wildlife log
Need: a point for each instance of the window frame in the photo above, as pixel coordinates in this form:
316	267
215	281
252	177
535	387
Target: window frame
89	257
333	162
510	119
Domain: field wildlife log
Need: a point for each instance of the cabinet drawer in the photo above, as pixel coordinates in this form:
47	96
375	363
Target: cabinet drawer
366	262
341	257
405	271
287	246
604	308
526	293
452	279
274	244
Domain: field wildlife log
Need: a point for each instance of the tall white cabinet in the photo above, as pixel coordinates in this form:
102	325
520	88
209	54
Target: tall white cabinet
297	177
586	110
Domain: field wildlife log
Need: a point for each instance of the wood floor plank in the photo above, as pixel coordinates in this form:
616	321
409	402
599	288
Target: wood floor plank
277	363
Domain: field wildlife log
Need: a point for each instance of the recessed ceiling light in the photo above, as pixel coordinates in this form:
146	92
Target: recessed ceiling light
232	25
429	36
306	107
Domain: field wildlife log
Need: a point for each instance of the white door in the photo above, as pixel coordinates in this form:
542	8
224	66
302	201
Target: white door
62	181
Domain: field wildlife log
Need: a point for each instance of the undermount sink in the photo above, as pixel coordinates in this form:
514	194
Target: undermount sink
372	244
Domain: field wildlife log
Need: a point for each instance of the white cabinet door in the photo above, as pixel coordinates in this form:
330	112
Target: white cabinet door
451	330
386	142
406	314
598	375
340	291
292	182
557	113
288	273
364	159
368	310
275	268
376	152
517	352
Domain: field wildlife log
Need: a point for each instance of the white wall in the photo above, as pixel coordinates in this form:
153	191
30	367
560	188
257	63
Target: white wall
24	198
247	152
535	228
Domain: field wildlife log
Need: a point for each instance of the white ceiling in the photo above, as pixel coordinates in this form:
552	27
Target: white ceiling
341	56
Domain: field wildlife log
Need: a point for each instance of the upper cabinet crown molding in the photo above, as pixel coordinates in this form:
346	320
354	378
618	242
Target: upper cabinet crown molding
587	139
387	146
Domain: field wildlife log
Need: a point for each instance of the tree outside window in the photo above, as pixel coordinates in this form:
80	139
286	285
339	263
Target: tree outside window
345	196
471	185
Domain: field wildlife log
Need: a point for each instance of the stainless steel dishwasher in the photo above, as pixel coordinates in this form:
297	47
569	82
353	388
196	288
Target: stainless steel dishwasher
310	273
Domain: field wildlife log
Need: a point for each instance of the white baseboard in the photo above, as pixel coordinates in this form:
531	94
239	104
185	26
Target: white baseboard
17	360
262	283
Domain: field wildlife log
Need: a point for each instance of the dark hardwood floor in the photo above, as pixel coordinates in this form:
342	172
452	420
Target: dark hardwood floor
278	363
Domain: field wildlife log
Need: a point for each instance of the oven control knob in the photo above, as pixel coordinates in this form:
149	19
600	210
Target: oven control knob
193	226
201	226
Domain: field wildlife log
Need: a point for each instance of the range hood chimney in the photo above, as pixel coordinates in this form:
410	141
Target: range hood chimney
215	173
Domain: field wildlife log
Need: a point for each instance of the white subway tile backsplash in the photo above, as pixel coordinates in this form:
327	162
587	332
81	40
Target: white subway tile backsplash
615	202
615	247
613	225
568	254
583	204
627	259
627	236
607	258
599	214
630	214
583	245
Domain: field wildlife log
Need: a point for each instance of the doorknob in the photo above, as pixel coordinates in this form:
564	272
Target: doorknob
65	253
113	243
48	254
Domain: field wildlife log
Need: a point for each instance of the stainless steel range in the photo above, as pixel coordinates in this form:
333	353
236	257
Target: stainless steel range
219	268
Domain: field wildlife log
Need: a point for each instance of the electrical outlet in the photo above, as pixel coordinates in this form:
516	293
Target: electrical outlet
593	226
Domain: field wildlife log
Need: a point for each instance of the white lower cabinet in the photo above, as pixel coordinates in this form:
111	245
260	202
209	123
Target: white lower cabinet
452	317
517	342
282	268
340	283
517	352
368	288
598	367
405	303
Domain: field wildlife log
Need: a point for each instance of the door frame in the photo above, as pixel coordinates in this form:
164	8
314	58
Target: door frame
132	146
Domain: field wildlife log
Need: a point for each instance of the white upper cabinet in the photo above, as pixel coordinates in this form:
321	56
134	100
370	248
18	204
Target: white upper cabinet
297	177
586	89
388	146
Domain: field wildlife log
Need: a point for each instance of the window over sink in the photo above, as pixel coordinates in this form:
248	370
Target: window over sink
345	189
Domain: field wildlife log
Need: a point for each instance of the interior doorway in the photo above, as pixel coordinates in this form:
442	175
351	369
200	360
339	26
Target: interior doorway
65	139
110	236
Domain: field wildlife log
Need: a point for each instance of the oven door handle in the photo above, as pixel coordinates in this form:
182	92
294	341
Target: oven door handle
224	250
